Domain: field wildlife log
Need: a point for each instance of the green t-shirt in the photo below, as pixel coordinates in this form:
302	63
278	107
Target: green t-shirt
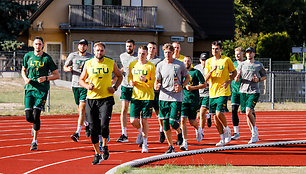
236	85
196	78
38	67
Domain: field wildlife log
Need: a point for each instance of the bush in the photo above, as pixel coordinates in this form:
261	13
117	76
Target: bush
276	46
10	45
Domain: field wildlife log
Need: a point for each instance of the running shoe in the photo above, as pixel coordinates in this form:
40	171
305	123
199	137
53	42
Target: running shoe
162	137
170	149
184	147
139	139
105	152
227	135
33	146
221	143
235	136
254	139
97	159
123	139
144	149
75	137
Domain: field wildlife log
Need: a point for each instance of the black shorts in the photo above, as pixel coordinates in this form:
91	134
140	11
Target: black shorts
99	109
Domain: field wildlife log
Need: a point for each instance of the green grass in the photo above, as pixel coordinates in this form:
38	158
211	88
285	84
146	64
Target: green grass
210	169
61	102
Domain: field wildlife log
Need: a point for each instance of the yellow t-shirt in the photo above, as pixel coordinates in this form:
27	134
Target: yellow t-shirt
142	90
219	76
100	74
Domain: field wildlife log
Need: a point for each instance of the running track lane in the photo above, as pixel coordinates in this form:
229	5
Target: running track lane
59	154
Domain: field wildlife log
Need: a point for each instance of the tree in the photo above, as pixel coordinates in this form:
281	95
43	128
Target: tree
14	18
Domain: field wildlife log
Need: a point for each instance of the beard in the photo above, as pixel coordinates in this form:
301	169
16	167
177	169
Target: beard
188	66
82	52
129	51
101	57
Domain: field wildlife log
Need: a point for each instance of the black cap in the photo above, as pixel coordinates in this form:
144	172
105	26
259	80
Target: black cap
204	56
250	49
83	41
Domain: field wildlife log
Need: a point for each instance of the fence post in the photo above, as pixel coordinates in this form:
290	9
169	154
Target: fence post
14	61
272	90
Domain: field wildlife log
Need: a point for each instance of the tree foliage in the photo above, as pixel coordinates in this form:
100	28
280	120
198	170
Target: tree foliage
274	45
14	18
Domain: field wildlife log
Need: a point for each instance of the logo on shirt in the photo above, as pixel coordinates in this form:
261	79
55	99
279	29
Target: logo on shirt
100	70
140	72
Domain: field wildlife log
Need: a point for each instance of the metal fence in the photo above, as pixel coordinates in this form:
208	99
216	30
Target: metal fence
280	86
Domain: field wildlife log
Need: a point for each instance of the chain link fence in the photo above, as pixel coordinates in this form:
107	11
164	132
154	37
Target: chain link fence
281	85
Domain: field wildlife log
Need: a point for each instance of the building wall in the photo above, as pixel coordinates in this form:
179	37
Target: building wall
57	12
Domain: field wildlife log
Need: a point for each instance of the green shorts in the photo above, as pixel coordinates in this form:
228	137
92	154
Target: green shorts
143	107
79	94
155	101
204	102
248	101
170	110
126	93
235	98
35	99
190	110
218	104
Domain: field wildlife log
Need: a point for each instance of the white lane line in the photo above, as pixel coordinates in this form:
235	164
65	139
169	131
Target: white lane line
74	159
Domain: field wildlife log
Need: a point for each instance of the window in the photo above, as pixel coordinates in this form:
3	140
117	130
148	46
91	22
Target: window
54	49
111	2
137	3
88	2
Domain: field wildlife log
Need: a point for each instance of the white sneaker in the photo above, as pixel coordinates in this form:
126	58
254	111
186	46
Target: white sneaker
254	139
184	147
139	138
227	135
199	135
221	143
235	136
144	149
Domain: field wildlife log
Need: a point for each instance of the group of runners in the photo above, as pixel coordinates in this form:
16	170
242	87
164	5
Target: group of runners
177	90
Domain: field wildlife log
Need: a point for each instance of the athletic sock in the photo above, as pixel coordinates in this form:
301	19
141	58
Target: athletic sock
86	123
140	130
79	129
236	129
207	115
34	141
222	136
184	141
124	131
161	129
145	141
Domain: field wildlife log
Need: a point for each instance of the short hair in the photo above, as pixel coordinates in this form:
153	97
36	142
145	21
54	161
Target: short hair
189	57
100	44
168	46
143	47
239	49
39	38
130	41
217	43
177	42
153	43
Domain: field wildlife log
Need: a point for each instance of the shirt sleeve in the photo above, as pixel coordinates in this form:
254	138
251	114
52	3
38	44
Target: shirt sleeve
231	66
25	61
52	65
200	77
68	62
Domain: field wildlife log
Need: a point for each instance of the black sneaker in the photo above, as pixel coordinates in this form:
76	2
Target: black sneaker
209	122
123	139
33	147
75	137
105	152
170	149
179	140
87	131
97	159
162	137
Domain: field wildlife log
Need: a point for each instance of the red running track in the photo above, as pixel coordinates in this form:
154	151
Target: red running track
57	153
